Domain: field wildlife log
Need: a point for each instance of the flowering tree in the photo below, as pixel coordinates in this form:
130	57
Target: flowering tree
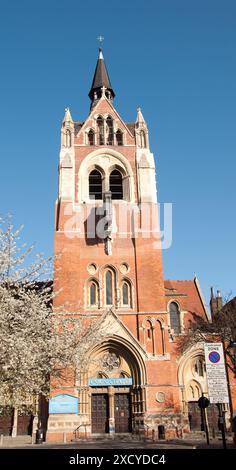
35	342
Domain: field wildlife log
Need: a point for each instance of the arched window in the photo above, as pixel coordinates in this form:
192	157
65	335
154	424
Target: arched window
91	137
93	294
100	124
109	131
200	366
68	138
95	185
116	184
143	139
109	288
119	137
126	294
175	318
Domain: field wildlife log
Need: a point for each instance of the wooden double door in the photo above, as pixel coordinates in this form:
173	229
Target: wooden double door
121	413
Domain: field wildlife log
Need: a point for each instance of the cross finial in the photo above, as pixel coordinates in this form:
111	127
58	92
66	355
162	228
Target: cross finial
100	39
103	91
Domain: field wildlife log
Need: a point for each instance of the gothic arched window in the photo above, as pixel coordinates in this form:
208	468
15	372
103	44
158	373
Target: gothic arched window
126	294
175	318
143	139
119	137
109	288
100	124
93	294
91	137
68	138
95	185
109	131
116	184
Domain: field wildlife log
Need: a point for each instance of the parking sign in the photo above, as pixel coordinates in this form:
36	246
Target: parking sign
216	373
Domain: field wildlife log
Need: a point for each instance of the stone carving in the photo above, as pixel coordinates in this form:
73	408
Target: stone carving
110	361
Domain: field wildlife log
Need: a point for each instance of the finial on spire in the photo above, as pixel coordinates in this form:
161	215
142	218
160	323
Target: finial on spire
67	117
140	119
100	54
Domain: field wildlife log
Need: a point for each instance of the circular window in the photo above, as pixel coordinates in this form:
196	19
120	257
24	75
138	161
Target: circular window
92	268
160	397
124	268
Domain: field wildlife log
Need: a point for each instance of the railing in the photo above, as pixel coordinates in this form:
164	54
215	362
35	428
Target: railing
76	432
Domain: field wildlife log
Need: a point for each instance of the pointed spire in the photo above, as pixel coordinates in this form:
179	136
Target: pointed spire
140	119
100	80
67	117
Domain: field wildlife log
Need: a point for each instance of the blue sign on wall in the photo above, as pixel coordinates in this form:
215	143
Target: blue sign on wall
120	382
64	404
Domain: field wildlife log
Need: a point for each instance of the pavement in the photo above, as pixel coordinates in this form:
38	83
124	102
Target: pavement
25	442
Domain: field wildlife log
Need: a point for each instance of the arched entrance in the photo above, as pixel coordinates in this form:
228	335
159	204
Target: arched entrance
116	377
193	382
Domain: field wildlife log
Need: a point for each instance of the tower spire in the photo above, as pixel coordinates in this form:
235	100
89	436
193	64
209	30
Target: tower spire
101	80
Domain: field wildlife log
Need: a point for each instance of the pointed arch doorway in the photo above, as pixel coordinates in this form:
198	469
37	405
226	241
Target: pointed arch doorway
116	377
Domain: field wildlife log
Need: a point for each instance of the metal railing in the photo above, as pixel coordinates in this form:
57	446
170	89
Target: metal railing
76	432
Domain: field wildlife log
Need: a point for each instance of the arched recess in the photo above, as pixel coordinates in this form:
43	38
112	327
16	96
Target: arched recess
91	137
130	365
149	336
186	373
92	293
143	140
159	337
123	348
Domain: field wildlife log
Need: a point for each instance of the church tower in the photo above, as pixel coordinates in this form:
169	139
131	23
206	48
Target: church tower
108	250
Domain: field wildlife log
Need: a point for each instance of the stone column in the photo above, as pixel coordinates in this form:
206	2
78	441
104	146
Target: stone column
111	397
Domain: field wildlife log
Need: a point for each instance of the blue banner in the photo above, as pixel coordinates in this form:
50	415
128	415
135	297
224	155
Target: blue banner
64	404
120	382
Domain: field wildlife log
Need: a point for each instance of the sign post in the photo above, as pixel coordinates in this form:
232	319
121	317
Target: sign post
217	380
203	403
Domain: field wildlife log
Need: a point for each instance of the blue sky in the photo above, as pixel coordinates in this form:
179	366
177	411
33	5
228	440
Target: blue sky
174	58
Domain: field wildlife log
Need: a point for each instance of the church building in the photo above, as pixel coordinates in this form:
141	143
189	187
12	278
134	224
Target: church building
108	250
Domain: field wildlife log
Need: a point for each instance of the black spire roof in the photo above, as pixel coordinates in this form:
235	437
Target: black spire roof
101	79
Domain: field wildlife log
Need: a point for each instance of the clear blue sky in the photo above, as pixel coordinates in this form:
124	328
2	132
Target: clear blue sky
174	58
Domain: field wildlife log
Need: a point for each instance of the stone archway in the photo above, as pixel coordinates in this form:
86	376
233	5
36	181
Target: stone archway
113	385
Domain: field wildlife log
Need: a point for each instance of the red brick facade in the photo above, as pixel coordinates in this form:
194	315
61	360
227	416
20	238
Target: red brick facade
143	347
